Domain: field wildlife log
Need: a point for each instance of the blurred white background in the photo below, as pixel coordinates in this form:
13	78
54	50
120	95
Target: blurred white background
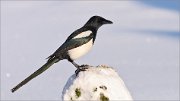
142	45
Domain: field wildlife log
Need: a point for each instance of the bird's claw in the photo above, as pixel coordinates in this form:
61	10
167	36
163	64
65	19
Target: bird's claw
81	68
84	66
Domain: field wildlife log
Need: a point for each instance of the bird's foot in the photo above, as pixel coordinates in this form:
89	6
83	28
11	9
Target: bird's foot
81	68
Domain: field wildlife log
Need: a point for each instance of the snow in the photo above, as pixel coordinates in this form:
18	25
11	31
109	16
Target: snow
96	83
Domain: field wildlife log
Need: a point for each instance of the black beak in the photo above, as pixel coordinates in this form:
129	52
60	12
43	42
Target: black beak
107	22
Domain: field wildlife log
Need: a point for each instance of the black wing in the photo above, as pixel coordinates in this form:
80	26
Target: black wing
61	52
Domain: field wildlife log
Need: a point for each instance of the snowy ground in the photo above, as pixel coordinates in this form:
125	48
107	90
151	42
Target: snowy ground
142	45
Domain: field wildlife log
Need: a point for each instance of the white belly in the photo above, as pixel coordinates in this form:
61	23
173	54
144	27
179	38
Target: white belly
80	51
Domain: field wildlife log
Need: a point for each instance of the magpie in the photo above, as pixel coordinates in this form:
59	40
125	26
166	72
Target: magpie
75	46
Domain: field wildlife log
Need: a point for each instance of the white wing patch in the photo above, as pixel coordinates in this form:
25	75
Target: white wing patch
81	50
83	34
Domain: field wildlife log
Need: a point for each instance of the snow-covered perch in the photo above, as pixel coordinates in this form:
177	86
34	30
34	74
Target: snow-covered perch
100	83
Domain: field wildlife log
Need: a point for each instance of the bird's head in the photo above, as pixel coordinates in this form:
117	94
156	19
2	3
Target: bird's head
97	21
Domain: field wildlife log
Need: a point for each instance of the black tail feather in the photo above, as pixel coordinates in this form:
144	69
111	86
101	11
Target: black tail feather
36	73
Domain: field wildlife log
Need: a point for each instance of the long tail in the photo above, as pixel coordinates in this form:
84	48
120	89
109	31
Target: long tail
36	73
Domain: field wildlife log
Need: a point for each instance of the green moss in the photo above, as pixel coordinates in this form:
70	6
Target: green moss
78	92
103	97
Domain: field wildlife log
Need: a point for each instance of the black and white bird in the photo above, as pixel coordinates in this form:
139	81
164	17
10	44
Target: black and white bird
75	46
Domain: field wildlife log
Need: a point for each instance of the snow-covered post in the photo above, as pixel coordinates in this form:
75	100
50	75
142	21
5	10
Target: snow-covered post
101	83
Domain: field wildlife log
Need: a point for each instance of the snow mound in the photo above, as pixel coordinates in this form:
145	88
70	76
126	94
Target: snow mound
101	83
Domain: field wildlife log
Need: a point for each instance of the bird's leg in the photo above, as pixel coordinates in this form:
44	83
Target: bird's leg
75	64
79	68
